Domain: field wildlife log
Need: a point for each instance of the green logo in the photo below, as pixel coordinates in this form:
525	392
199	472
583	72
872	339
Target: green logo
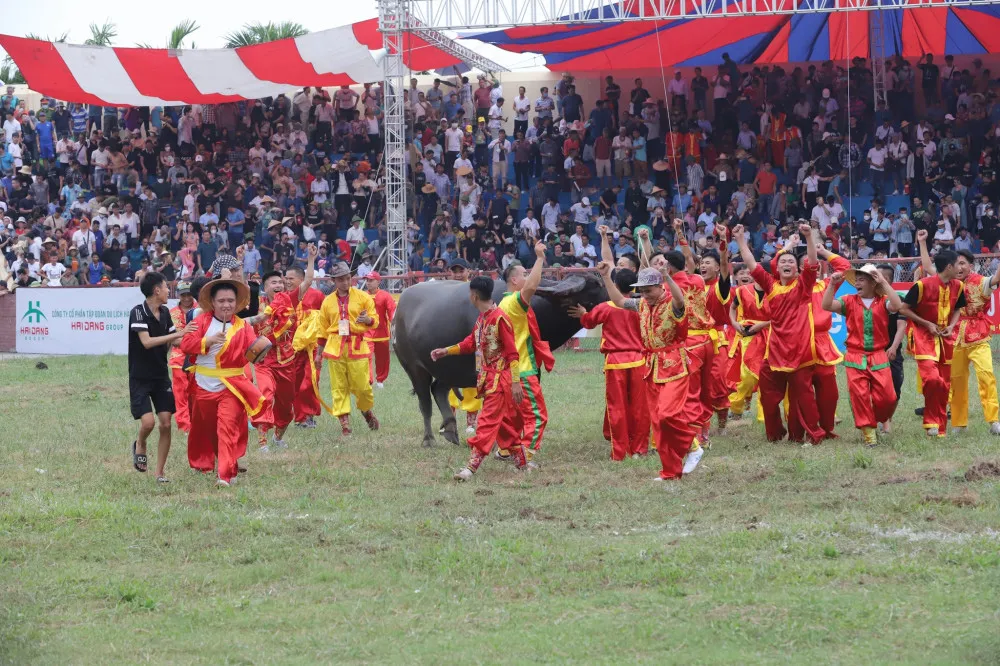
34	315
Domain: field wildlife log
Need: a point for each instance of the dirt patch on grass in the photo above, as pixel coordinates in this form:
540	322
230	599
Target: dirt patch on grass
484	492
912	477
967	498
530	513
988	469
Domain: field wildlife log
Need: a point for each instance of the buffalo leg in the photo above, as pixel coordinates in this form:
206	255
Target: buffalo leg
449	430
421	380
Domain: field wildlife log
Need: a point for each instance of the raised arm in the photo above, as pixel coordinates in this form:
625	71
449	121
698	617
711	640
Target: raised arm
535	276
645	248
689	264
805	231
310	271
745	252
925	257
606	253
616	297
676	295
831	304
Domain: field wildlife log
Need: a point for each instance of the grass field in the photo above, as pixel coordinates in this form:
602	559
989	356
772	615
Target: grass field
363	550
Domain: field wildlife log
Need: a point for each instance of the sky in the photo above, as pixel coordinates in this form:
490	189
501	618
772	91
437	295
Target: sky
216	19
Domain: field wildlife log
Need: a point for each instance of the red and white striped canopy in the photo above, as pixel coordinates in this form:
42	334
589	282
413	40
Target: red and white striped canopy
112	76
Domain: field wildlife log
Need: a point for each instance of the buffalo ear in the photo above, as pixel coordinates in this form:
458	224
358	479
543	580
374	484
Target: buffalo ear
568	286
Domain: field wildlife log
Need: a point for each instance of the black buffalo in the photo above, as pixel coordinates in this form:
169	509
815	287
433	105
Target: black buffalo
438	314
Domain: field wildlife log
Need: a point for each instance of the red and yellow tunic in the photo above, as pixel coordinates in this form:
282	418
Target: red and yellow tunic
492	340
279	328
385	306
179	316
692	145
973	326
663	338
229	362
933	300
718	310
826	351
674	146
621	341
790	343
534	352
751	308
867	332
354	344
700	324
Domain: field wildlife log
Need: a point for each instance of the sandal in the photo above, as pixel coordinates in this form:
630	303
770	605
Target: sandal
138	459
162	479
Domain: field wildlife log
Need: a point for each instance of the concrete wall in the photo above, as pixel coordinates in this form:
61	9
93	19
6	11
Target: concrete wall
8	326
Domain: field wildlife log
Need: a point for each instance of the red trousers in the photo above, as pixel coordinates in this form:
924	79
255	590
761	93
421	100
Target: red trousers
380	361
673	430
218	432
721	386
872	395
277	383
701	361
306	402
801	402
824	386
936	377
526	423
183	383
626	415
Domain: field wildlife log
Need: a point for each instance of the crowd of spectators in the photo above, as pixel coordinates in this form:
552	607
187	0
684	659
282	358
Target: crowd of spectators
92	195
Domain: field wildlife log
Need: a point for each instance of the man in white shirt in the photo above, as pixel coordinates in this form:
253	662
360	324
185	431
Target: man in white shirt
708	218
84	239
501	149
130	222
622	146
355	234
496	119
452	146
545	104
576	240
581	211
822	213
522	106
529	225
586	253
11	127
550	215
876	165
678	91
53	271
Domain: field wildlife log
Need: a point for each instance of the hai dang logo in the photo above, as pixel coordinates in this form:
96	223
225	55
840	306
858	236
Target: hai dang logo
31	327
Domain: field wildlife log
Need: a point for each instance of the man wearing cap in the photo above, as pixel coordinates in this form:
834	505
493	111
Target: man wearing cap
344	319
663	326
182	381
789	365
378	337
223	395
972	340
470	402
866	315
526	423
626	411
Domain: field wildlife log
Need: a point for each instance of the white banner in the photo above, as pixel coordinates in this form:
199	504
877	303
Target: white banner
70	320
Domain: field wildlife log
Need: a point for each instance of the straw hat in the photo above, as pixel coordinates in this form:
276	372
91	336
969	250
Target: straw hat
242	294
657	190
267	199
25	170
464	170
428	189
274	223
869	270
661	165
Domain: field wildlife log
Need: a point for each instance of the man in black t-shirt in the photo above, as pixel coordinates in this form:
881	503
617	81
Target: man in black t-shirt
150	332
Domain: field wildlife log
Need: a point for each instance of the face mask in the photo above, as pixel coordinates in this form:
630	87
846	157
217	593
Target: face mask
867	216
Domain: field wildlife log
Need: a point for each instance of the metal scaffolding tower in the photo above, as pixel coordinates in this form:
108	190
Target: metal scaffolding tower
878	59
393	17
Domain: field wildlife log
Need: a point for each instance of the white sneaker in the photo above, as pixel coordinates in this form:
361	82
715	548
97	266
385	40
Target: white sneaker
223	483
932	432
692	459
463	475
635	456
265	449
280	443
995	428
470	430
379	385
958	430
895	193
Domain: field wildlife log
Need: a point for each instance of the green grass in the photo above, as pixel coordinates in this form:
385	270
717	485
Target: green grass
363	550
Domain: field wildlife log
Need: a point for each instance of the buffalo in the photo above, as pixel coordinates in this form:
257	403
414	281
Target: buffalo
438	314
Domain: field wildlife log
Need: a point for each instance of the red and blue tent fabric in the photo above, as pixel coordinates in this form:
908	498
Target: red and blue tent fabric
636	45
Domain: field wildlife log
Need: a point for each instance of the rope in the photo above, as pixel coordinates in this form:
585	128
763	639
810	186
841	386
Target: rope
666	99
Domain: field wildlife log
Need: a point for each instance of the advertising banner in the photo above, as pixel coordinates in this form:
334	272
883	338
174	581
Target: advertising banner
70	320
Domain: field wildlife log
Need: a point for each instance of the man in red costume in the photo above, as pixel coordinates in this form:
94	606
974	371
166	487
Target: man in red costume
749	317
385	308
663	326
826	356
223	396
866	315
788	357
498	376
714	268
305	407
934	305
626	411
182	381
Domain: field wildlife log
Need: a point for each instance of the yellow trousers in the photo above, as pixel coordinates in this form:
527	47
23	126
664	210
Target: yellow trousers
739	398
981	358
471	402
350	377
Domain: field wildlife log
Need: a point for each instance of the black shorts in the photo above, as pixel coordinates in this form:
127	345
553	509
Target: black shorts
150	396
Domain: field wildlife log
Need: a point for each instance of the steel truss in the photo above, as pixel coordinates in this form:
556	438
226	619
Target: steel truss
393	17
486	14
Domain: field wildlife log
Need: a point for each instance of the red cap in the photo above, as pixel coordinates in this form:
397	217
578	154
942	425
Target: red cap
374	276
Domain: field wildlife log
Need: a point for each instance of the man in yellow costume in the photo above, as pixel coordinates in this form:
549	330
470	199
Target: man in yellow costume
346	315
470	403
